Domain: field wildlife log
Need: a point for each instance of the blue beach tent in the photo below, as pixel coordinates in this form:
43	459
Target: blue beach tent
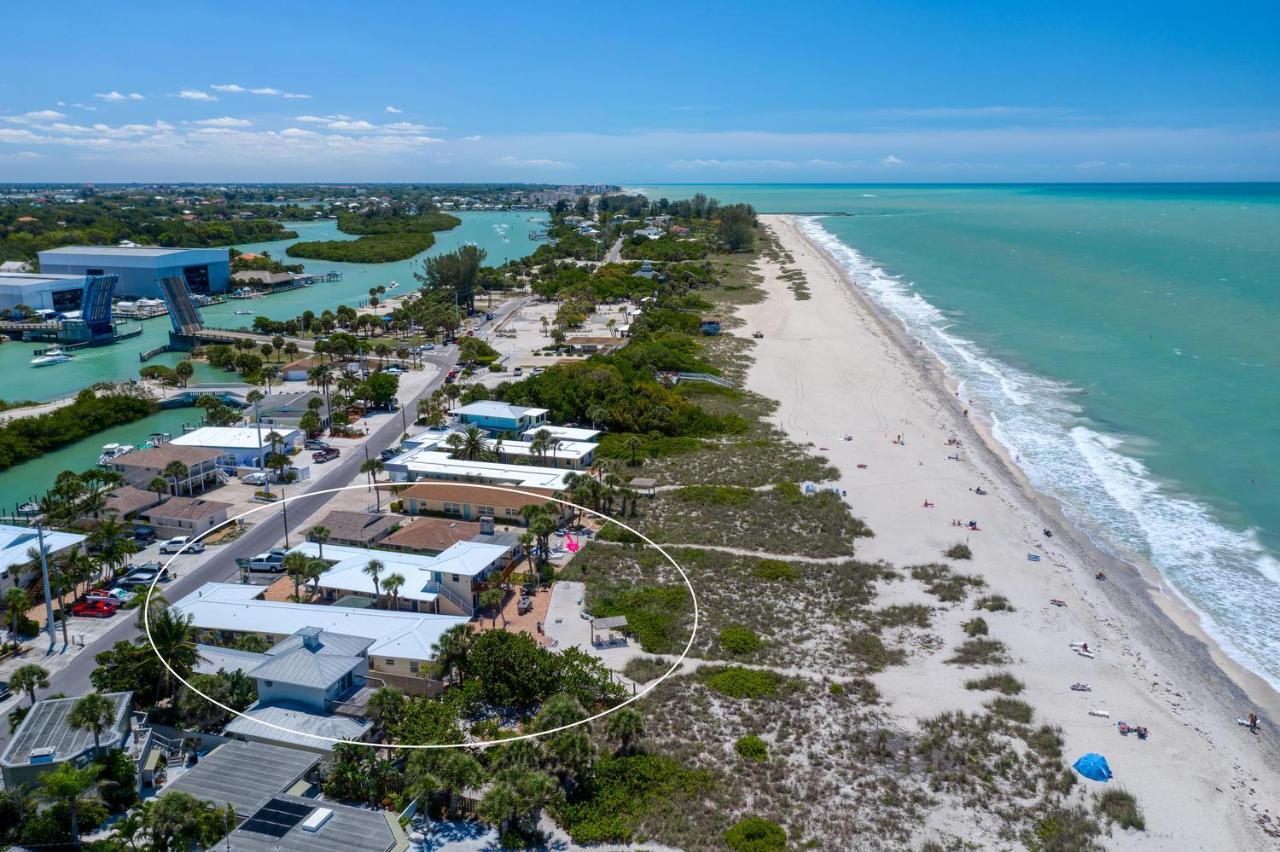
1094	767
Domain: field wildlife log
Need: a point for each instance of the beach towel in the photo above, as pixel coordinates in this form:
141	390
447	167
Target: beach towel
1033	557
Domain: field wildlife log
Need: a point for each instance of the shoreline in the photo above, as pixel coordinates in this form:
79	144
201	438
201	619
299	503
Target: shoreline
870	382
1136	578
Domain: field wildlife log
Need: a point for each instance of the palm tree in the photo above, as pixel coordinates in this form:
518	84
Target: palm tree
28	678
373	467
319	534
315	570
94	713
67	785
62	580
391	585
297	566
373	569
452	650
471	444
178	820
491	599
526	545
633	444
451	772
541	441
17	601
160	486
385	707
176	470
627	727
175	641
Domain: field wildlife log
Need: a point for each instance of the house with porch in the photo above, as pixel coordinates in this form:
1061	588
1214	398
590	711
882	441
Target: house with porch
473	502
203	464
184	516
500	417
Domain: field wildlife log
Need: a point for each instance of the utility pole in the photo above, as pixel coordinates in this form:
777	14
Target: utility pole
48	594
284	509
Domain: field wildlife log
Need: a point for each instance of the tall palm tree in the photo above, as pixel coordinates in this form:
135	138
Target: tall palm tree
94	713
471	444
159	485
28	678
373	467
297	566
319	534
627	727
373	569
176	470
540	443
17	601
452	650
315	570
68	786
175	641
391	584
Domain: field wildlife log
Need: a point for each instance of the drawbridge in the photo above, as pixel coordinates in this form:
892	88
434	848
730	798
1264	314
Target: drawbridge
183	312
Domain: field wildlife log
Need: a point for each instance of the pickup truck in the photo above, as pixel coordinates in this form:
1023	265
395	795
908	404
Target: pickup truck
119	597
272	561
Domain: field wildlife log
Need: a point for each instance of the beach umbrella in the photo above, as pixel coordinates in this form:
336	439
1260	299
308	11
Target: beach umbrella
1094	767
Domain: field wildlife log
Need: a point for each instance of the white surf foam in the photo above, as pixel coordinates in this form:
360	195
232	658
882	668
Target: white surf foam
1225	574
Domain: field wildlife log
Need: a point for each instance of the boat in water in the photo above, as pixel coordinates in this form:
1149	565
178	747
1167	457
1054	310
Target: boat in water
155	439
50	356
244	312
29	509
113	451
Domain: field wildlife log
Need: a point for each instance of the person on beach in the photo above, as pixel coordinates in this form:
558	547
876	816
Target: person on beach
928	505
1253	722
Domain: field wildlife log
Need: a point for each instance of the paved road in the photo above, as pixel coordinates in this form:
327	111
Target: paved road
73	679
614	255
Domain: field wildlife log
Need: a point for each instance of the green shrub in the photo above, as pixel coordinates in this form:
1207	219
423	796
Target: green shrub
1047	742
613	532
739	682
621	791
737	639
775	570
976	627
902	615
958	551
755	834
836	689
994	603
1121	807
1012	709
868	649
946	586
980	652
752	748
645	669
996	682
715	495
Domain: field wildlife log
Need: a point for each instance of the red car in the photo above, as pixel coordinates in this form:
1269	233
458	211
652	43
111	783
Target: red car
327	454
94	609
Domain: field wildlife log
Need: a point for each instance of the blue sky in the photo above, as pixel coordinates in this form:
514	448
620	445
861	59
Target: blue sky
634	92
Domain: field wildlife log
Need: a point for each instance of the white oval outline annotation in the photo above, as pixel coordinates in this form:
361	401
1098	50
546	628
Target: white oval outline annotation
146	611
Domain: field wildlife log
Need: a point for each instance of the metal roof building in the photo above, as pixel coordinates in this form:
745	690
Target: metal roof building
46	739
140	268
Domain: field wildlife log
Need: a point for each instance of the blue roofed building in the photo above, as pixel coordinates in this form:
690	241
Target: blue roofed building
499	417
141	268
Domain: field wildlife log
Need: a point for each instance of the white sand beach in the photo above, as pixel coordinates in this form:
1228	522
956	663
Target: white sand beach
839	369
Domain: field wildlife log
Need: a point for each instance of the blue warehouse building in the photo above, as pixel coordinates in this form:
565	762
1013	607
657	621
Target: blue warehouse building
140	269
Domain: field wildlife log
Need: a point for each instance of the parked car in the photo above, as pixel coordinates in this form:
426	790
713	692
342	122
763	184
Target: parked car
144	574
518	371
182	544
393	370
389	453
116	596
327	454
5	692
272	561
428	346
94	609
255	478
144	535
315	444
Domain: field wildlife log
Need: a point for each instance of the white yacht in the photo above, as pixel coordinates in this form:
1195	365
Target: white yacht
113	451
50	356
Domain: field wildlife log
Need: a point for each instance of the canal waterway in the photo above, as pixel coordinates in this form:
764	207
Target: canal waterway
502	234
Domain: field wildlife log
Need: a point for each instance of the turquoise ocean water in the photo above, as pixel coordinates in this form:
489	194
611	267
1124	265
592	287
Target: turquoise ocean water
1123	339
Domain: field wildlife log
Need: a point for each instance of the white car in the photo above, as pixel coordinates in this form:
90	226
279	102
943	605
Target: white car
255	478
272	561
182	544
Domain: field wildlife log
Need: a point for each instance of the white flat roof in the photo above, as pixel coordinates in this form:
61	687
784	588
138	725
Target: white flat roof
123	251
403	635
233	437
15	540
430	464
563	433
465	558
21	280
493	408
564	449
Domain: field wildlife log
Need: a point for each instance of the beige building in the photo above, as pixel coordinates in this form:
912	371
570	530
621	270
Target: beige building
185	516
470	502
141	466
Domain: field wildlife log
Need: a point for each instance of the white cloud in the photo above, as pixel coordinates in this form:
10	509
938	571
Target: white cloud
344	124
294	96
891	160
475	138
392	109
36	115
535	163
196	95
113	95
225	121
733	164
321	119
237	89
